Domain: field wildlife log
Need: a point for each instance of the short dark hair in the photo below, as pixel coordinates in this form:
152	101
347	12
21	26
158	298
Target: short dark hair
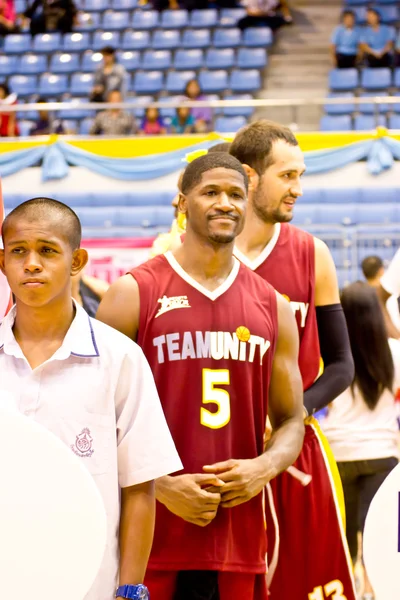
108	50
376	11
222	147
6	89
371	266
38	209
217	160
348	13
253	143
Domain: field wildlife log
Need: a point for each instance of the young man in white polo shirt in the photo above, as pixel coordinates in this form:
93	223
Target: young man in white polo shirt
85	382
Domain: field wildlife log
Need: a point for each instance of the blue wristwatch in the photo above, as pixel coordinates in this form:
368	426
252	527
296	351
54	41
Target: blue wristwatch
133	592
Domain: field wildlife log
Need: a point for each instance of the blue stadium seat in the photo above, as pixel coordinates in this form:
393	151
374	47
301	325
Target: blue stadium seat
376	79
166	39
188	59
16	43
8	64
343	79
213	81
130	60
238	111
177	80
124	232
105	38
145	19
154	60
99	216
115	20
336	123
144	216
378	195
368	122
28	115
20	6
124	4
52	85
81	84
196	39
389	14
258	37
332	214
245	80
76	42
220	58
23	85
340	109
64	63
229	124
341	195
394	122
370	108
360	14
311	196
174	19
305	214
252	58
85	125
206	18
91	61
168	113
47	42
95	5
382	213
227	38
143	102
75	112
70	126
135	40
230	16
396	74
87	21
25	127
32	64
396	106
150	82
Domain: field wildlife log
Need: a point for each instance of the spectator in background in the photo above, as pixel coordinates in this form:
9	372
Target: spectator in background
7	17
8	120
266	13
152	123
46	16
346	39
88	292
202	115
183	122
377	41
45	125
373	270
108	77
114	121
361	424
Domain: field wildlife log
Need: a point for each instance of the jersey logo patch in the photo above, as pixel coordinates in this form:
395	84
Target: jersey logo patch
172	303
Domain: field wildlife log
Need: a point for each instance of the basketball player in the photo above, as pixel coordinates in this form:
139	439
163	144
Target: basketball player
85	382
313	560
223	347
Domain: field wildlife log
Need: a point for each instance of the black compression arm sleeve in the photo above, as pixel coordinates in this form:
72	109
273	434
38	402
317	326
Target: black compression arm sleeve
336	353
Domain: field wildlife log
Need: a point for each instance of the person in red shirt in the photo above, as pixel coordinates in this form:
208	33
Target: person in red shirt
8	121
308	557
223	348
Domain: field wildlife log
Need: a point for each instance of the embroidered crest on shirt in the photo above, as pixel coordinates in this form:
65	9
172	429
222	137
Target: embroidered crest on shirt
83	444
172	303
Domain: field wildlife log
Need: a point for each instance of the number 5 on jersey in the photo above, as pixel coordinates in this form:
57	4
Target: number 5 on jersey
214	395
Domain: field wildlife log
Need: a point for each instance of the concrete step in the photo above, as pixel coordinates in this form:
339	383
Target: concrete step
300	69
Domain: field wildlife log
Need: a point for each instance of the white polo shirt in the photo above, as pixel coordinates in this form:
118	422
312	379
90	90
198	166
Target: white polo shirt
390	280
98	395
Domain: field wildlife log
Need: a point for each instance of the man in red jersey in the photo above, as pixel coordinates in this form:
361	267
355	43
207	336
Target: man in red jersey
311	559
223	348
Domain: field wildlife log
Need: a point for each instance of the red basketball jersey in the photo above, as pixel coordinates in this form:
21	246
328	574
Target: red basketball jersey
288	264
211	355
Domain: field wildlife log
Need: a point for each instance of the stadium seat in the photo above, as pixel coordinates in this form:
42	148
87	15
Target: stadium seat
145	19
368	122
360	14
389	14
166	39
258	37
8	64
32	64
311	196
238	111
230	16
47	42
143	102
130	60
124	4
382	213
378	195
154	60
335	123
20	6
105	38
220	58
371	108
227	38
101	216
16	43
150	82
76	42
135	40
81	84
195	39
52	85
91	61
174	19
245	80
340	109
75	112
252	58
27	115
87	21
343	79
23	85
396	76
115	20
95	5
25	128
168	113
177	80
70	126
341	195
333	214
85	126
376	79
394	122
188	59
64	63
206	18
213	81
229	124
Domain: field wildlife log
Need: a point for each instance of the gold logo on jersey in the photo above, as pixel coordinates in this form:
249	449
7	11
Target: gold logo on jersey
172	303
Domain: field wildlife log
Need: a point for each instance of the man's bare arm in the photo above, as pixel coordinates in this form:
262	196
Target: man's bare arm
120	307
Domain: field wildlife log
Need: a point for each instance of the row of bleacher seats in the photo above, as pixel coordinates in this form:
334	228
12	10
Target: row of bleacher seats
379	3
358	122
368	79
390	15
367	108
